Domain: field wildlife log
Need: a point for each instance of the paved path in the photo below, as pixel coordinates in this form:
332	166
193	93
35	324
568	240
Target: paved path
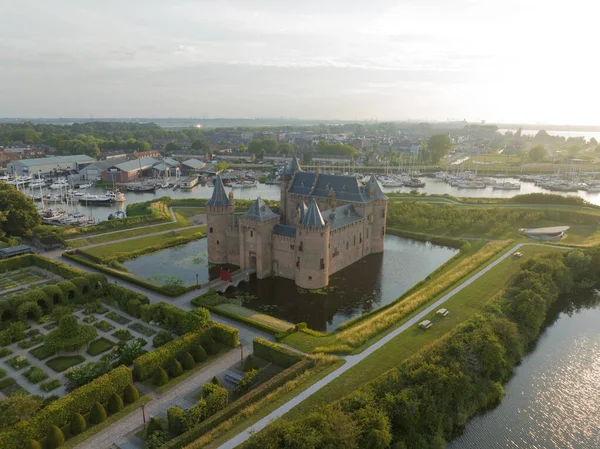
118	432
442	200
353	360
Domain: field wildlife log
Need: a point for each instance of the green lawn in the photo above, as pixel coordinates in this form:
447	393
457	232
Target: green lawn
464	304
125	250
99	346
188	212
77	243
254	316
61	363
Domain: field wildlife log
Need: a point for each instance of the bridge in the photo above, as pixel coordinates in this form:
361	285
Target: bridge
221	285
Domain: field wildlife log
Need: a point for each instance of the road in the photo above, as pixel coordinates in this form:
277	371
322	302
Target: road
353	360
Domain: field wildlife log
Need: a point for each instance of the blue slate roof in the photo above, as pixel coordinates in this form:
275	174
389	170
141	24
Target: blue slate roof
259	211
301	210
313	217
346	188
285	231
219	197
378	194
293	167
339	217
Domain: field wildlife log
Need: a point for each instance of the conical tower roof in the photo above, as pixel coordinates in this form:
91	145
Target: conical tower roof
312	217
219	197
259	211
377	192
293	167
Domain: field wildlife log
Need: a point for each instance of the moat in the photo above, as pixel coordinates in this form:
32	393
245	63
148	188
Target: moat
368	284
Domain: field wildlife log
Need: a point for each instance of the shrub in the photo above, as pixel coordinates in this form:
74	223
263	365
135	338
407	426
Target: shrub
131	394
50	385
199	354
69	290
70	335
35	375
176	369
216	398
174	318
98	414
188	361
176	418
215	380
227	335
78	424
55	438
153	426
83	286
160	377
161	338
33	444
275	353
54	294
115	403
211	346
247	381
29	310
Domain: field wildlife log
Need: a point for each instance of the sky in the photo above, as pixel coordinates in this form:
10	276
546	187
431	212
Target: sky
529	61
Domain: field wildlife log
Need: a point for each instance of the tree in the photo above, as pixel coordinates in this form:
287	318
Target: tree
286	148
593	141
98	413
18	408
172	147
215	380
131	394
538	153
199	354
115	403
154	426
597	149
33	444
438	147
55	438
161	338
270	146
70	335
256	147
200	145
78	424
17	212
126	352
187	361
222	166
242	148
160	377
176	369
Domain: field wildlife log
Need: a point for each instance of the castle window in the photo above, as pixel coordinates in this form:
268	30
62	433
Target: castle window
383	213
210	230
383	230
301	246
322	264
217	242
355	240
298	263
346	245
251	233
292	247
360	238
367	232
335	252
310	278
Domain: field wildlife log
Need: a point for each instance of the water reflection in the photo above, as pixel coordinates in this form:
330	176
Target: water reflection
553	401
364	286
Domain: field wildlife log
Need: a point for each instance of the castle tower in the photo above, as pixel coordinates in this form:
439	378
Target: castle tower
256	229
219	216
379	202
286	178
312	249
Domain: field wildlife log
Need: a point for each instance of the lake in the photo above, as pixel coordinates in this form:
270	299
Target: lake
553	400
368	284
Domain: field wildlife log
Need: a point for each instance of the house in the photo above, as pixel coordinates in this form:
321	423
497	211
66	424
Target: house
93	172
129	171
191	166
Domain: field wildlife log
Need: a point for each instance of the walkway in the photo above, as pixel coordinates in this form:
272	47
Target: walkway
118	432
353	360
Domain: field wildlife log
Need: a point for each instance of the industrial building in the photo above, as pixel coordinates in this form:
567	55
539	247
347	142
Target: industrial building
49	164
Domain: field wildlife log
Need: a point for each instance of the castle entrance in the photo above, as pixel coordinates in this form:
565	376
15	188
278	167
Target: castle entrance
252	260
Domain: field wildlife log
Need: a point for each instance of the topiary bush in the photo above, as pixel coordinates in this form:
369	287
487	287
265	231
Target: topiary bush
211	346
176	417
131	394
187	361
55	438
160	377
70	335
161	338
98	413
215	380
153	426
33	444
216	398
176	369
78	424
199	354
115	403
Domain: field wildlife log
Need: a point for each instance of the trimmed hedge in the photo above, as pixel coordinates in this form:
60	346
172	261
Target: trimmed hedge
78	424
55	439
275	353
175	319
145	365
216	398
176	417
131	394
98	414
227	335
59	413
115	403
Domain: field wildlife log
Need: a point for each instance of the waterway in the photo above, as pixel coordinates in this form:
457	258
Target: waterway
366	285
272	192
553	400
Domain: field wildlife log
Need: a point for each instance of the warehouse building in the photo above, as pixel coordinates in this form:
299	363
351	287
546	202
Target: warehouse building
130	170
49	164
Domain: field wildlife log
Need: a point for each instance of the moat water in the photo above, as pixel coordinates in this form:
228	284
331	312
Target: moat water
553	400
366	285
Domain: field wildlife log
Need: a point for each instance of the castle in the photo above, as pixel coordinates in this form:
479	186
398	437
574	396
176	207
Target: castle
325	223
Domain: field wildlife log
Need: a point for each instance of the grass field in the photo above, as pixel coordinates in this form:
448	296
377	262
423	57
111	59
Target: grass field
77	243
188	212
61	363
255	316
464	304
126	250
99	346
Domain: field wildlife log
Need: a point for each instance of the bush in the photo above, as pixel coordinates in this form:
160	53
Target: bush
199	354
131	394
211	346
187	361
153	426
275	353
227	335
33	444
55	438
176	369
115	403
161	338
175	319
216	398
78	424
176	418
29	310
215	380
247	381
35	375
54	294
50	385
160	377
70	335
98	413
